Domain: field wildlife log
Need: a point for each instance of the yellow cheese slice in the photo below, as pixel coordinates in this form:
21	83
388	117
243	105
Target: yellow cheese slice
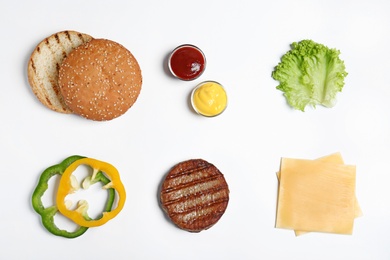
316	196
333	158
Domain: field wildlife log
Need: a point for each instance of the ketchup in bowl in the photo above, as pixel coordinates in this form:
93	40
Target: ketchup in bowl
187	62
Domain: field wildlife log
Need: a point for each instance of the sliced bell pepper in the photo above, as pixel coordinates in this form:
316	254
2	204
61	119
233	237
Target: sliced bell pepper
79	215
47	213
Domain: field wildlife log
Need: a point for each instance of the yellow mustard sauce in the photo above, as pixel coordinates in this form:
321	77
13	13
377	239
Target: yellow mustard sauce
209	98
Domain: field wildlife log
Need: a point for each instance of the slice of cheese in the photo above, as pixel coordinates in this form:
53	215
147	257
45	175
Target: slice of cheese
316	196
333	158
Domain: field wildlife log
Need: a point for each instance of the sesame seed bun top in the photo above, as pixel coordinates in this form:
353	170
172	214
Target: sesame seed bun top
100	80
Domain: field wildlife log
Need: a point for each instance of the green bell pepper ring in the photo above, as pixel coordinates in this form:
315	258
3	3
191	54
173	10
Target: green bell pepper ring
47	214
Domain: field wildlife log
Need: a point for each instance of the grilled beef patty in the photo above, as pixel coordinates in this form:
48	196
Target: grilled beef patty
194	195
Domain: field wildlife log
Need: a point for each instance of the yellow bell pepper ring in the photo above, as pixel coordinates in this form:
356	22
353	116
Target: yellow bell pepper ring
80	215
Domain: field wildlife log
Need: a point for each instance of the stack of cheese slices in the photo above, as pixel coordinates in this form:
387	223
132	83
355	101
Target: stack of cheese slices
317	195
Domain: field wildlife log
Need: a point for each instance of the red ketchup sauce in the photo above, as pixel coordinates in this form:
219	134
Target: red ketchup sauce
187	62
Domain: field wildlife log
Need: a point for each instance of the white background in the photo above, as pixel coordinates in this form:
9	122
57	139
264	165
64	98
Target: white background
243	41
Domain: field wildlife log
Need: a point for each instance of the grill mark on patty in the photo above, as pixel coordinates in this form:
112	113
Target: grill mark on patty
195	220
184	186
188	196
205	204
202	214
188	171
180	178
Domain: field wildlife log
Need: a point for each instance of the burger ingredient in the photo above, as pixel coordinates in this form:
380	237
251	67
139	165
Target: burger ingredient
80	215
187	62
310	74
47	213
43	66
209	98
100	80
194	195
333	158
316	195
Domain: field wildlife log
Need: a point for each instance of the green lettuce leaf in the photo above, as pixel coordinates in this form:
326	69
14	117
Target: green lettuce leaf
310	74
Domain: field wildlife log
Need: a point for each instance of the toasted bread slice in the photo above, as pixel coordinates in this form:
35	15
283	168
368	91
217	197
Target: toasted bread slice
44	64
